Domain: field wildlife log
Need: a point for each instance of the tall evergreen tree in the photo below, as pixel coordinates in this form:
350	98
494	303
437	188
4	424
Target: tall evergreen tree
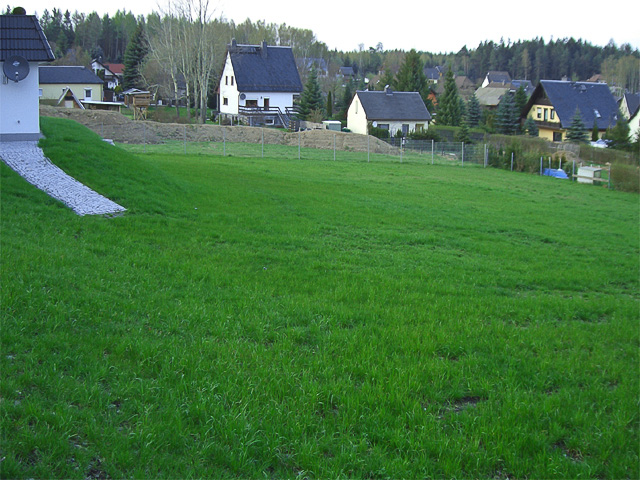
618	136
449	103
329	105
530	127
134	57
577	131
411	77
473	111
520	101
311	99
507	117
595	133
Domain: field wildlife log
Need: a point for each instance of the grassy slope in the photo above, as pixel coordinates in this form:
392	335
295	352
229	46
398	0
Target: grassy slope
254	317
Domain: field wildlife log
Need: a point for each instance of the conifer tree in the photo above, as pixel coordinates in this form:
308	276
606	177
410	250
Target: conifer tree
473	111
507	117
618	136
411	77
595	133
449	103
577	131
329	105
134	57
311	99
530	127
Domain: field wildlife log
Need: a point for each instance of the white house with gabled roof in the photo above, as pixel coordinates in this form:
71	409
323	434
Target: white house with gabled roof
259	80
23	46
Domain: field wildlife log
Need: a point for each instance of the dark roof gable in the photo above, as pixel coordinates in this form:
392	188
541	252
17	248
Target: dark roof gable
594	100
67	75
389	105
22	35
262	68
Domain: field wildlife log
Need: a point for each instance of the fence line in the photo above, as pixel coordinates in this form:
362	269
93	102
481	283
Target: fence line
150	137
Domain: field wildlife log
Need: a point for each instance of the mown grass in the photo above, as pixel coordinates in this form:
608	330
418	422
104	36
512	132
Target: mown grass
255	318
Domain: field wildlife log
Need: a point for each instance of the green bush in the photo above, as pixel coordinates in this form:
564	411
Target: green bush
625	177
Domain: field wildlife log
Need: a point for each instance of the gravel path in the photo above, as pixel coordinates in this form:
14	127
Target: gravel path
29	161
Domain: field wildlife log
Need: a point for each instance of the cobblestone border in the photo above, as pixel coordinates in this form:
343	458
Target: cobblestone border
28	160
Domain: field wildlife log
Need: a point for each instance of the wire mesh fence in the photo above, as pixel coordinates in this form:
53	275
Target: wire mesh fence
323	145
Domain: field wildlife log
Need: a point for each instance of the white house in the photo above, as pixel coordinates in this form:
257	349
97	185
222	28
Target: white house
259	81
393	111
23	46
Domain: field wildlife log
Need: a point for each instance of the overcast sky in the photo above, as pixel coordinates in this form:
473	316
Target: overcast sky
437	26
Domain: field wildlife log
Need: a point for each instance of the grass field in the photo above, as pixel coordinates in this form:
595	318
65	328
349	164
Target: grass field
263	318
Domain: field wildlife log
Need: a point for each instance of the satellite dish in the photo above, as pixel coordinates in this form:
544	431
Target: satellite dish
243	96
16	68
375	124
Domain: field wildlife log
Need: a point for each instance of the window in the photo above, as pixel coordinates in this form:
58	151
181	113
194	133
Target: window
226	80
539	113
39	92
546	114
87	93
225	101
553	114
252	103
557	136
231	80
384	126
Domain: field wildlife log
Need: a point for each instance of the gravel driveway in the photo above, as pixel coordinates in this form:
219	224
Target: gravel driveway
29	161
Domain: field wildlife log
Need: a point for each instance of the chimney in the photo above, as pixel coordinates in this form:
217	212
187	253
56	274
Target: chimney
387	90
234	45
263	49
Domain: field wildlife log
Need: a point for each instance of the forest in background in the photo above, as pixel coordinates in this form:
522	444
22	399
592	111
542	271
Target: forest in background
78	37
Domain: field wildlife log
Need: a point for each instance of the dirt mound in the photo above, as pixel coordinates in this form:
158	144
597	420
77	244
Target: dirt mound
120	128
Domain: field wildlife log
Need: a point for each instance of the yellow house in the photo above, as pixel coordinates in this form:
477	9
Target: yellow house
553	106
85	85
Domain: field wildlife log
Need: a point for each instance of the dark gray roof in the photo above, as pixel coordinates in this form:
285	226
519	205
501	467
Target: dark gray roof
633	102
594	100
67	75
433	73
22	35
498	77
528	86
389	105
261	68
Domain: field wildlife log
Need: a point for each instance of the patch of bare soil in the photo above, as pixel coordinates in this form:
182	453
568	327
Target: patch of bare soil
120	128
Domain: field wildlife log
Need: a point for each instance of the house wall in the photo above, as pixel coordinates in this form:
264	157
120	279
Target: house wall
19	114
229	91
547	120
53	91
229	95
634	126
356	117
357	121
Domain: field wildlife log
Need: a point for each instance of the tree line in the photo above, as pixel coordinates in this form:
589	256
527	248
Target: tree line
185	44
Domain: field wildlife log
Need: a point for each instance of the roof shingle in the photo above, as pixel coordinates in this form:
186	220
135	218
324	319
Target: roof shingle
22	35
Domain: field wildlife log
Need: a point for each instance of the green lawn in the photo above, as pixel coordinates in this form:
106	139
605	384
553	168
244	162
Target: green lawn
274	318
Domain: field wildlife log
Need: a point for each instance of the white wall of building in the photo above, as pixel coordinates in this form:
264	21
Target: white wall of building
19	107
356	117
230	99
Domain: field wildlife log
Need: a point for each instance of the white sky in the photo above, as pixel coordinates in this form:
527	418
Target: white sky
437	26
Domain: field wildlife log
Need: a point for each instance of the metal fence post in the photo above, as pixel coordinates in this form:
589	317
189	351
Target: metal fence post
299	143
512	161
144	136
184	139
541	165
368	154
463	153
334	147
262	129
432	147
224	143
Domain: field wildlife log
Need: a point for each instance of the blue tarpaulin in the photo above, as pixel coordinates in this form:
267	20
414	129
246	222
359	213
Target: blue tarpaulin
552	172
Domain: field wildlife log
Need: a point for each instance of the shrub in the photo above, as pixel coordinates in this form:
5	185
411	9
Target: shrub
625	177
